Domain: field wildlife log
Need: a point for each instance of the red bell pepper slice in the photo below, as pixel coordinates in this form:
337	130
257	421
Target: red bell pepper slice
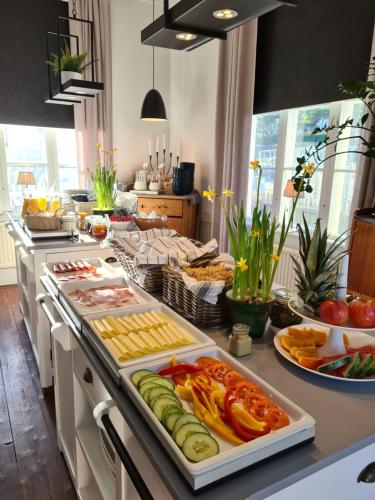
180	369
242	432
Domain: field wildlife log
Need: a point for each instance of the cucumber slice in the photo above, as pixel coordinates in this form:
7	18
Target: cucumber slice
157	379
160	404
175	399
186	430
138	375
170	415
187	418
145	387
158	390
199	446
333	365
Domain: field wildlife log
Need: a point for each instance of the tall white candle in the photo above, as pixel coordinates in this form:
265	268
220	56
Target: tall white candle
342	283
163	141
149	148
170	144
157	144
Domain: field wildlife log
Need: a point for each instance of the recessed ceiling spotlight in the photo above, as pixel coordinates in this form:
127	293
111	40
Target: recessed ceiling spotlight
186	37
225	14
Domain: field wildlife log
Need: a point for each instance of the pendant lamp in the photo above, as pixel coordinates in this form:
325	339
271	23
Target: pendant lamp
153	108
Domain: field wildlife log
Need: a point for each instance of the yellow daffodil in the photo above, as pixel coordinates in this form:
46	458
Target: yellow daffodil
309	168
228	193
254	164
276	258
210	194
98	146
114	150
242	264
255	234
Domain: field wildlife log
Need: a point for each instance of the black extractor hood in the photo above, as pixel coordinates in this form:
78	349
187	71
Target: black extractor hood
191	23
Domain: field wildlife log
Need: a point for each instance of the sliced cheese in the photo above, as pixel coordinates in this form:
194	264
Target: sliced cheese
159	339
160	318
176	339
100	328
130	323
153	319
139	323
119	329
146	320
115	350
134	337
127	327
149	341
130	346
182	333
165	335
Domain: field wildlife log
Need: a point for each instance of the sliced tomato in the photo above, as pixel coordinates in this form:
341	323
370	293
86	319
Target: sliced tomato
259	409
251	399
207	364
245	387
220	370
276	418
231	379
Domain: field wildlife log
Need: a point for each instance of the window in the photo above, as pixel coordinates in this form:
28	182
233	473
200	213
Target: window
47	152
278	139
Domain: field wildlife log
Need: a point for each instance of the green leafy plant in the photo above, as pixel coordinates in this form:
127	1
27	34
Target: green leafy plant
68	62
253	249
104	179
318	266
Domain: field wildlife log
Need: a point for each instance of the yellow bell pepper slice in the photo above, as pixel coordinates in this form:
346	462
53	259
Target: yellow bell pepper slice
247	420
184	392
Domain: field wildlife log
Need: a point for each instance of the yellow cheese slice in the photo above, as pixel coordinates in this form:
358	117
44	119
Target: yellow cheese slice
176	339
149	341
134	337
165	335
127	327
153	319
159	339
116	325
146	320
180	333
159	317
99	328
130	346
110	331
186	335
137	321
130	320
120	346
115	350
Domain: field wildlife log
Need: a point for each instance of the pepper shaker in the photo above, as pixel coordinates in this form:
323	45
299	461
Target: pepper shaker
240	341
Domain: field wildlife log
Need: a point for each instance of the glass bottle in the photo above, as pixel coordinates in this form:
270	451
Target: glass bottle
240	341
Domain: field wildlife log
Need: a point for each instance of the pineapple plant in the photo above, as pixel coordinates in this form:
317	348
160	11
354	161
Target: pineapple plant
318	266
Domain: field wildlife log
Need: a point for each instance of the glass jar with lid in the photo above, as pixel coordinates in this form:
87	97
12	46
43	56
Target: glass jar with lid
280	314
240	341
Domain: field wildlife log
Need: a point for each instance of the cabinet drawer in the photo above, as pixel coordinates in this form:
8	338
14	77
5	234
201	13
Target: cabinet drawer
88	378
176	223
161	206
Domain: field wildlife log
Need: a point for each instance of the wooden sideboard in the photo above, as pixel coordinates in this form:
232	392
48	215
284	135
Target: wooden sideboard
362	253
182	211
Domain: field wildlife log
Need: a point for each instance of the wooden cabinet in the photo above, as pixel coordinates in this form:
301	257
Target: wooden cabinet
362	253
182	211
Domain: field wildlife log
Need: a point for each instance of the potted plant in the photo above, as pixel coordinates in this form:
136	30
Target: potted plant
255	253
104	181
71	66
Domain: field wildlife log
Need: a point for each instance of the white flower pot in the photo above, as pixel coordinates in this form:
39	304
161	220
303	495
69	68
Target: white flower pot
70	75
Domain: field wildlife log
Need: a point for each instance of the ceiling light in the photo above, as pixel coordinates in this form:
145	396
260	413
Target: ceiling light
225	14
187	37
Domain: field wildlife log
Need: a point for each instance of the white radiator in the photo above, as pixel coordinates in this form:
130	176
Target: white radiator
285	275
7	255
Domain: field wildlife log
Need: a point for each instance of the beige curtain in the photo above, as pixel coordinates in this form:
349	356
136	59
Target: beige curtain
93	117
233	119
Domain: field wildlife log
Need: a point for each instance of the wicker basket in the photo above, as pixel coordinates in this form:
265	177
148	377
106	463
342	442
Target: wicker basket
198	311
44	222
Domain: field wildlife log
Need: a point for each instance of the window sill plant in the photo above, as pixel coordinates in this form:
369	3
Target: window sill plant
104	182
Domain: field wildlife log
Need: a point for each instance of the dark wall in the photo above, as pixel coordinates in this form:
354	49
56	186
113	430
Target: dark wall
303	52
23	72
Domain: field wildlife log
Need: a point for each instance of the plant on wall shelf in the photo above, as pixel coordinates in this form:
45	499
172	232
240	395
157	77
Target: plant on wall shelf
68	62
104	180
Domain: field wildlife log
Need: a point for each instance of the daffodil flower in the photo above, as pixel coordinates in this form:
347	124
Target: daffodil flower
228	193
98	146
309	168
276	258
210	194
255	234
242	264
254	164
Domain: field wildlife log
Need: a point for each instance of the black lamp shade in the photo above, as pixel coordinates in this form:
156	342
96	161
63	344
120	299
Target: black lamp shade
153	108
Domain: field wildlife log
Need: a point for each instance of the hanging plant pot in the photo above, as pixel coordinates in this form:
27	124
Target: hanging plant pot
105	211
255	315
70	75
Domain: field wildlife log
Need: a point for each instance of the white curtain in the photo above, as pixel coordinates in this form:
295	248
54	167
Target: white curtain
236	78
93	117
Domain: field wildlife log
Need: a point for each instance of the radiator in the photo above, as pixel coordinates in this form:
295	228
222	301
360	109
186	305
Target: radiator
7	255
285	275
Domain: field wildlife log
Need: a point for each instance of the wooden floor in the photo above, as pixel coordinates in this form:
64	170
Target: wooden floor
31	466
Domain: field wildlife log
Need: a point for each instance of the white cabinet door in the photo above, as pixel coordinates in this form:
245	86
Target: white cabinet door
337	481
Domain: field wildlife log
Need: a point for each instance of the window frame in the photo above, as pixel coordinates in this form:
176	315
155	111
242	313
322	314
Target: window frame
285	150
51	163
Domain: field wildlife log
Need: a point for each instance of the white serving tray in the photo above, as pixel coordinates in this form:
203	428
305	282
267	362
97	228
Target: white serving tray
356	339
105	271
231	458
141	295
202	340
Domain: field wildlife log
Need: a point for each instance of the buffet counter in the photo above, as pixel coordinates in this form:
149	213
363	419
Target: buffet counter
328	466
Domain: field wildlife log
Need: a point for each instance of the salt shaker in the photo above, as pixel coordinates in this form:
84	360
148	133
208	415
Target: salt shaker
240	341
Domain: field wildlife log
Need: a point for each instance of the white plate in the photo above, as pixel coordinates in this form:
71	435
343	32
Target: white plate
202	340
231	458
356	339
141	295
306	315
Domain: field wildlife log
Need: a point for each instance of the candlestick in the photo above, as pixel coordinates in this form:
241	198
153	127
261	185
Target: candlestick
149	148
150	157
178	160
157	158
157	144
170	161
164	155
164	141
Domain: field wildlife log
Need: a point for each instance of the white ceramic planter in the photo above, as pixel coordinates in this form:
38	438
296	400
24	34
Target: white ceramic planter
70	75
